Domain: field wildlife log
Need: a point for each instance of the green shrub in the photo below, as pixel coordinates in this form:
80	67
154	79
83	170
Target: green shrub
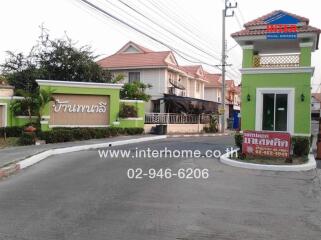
81	133
73	134
27	139
134	131
301	146
238	138
128	111
213	126
11	131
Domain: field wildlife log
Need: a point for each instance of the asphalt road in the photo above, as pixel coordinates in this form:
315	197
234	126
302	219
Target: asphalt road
81	196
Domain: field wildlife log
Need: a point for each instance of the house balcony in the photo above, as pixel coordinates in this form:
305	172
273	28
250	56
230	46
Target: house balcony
176	84
276	60
176	92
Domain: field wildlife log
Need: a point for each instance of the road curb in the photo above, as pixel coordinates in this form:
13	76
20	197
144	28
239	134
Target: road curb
9	170
310	165
198	135
29	161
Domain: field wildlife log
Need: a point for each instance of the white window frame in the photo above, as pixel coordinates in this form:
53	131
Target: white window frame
259	106
5	117
219	96
198	87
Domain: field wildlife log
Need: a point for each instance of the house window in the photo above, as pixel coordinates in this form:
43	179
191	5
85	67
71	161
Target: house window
156	106
197	87
133	77
218	96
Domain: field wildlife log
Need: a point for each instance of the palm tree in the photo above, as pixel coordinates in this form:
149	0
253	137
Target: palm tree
45	96
28	104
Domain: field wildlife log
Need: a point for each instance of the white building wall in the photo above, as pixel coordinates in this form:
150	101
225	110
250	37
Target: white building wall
212	94
155	77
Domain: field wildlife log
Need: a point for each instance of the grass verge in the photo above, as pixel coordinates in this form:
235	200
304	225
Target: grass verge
9	142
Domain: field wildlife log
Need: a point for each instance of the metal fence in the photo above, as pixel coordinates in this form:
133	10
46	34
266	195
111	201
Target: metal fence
173	118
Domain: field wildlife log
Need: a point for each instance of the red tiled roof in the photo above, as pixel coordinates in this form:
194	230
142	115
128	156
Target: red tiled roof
260	20
213	80
141	48
248	31
317	96
238	89
147	59
229	83
192	70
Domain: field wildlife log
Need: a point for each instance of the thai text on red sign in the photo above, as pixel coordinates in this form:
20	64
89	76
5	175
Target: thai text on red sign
281	28
271	144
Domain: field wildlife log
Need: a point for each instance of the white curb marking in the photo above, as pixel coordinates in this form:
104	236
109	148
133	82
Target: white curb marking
199	135
311	164
41	156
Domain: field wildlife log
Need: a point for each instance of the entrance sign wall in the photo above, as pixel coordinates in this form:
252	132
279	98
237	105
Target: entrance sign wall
87	104
78	104
79	110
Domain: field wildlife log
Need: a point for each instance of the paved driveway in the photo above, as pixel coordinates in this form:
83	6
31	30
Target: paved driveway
80	196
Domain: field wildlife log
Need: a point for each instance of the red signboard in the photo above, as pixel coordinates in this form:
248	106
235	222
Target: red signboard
271	144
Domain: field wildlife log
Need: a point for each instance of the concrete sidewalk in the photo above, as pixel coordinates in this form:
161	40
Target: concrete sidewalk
15	154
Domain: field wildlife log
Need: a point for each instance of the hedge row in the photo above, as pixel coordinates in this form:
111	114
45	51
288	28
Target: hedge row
300	145
11	131
58	135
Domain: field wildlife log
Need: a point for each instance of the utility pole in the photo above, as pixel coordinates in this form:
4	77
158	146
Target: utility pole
228	5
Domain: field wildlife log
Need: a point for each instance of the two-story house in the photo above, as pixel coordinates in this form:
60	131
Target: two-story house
159	69
213	92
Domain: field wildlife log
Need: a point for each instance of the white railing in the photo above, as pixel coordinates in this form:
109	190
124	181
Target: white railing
276	61
173	118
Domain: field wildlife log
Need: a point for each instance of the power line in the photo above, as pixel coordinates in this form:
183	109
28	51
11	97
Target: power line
169	31
178	22
232	47
241	14
188	25
178	52
238	21
156	33
159	7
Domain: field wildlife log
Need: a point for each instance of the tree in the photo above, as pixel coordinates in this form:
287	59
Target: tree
44	97
58	59
28	105
135	90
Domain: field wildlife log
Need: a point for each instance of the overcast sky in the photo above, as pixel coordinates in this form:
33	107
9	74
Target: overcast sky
20	22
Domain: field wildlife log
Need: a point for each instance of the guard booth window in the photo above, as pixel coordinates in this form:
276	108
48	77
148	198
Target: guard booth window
275	112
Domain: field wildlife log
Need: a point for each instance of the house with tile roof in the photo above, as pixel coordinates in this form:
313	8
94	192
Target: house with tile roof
276	72
159	69
213	92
